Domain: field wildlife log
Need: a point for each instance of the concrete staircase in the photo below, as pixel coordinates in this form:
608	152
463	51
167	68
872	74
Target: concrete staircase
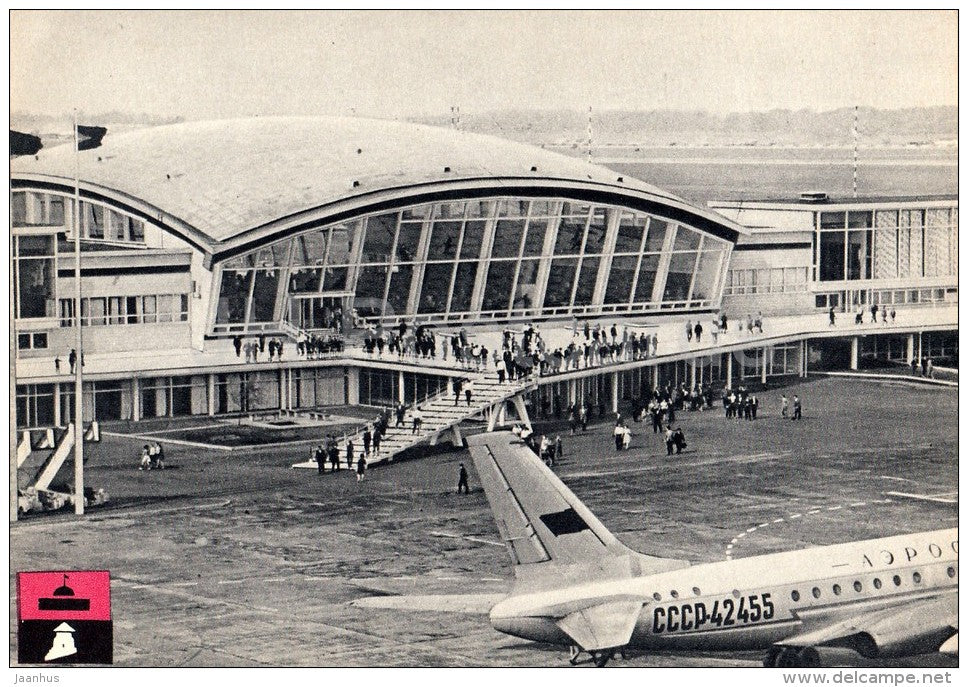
441	418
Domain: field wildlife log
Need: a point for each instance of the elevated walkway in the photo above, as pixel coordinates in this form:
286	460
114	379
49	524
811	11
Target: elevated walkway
441	418
219	356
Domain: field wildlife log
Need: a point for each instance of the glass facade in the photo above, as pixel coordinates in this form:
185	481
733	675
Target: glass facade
864	245
497	258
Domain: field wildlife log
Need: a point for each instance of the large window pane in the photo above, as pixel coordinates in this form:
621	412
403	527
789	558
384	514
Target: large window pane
595	241
340	238
708	270
524	290
93	216
586	281
35	246
305	280
647	274
680	277
379	238
436	284
463	287
480	208
571	232
310	248
858	254
630	229
561	278
620	277
18	208
399	292
500	276
264	296
443	240
473	237
450	211
833	220
656	238
408	241
534	242
36	287
507	238
686	239
369	290
334	279
831	255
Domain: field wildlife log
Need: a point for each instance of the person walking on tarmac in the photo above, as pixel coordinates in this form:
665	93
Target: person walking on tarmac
462	480
349	454
669	439
361	468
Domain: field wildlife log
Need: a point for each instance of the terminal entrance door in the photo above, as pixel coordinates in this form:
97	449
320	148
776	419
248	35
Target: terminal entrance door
857	300
318	312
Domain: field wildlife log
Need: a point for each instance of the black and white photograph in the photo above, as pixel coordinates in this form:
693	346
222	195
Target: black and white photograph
483	339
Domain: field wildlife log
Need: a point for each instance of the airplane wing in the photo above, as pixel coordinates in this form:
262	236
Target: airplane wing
919	626
476	604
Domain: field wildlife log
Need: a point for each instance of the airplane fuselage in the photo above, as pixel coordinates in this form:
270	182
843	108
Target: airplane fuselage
753	603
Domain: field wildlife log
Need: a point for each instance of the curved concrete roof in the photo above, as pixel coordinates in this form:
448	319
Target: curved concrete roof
223	178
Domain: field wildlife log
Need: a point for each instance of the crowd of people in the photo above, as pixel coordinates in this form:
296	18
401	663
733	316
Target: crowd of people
356	457
740	403
309	346
550	452
152	457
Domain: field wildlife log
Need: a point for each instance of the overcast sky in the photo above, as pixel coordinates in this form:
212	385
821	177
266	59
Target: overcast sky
206	65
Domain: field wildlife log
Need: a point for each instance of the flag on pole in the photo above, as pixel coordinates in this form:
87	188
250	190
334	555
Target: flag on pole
24	144
89	137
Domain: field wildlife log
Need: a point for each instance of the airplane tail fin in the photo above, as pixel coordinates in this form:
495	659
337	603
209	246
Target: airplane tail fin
545	525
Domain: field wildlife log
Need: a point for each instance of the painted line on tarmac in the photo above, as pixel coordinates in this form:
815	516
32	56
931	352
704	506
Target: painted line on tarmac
934	498
898	479
793	516
749	458
179	442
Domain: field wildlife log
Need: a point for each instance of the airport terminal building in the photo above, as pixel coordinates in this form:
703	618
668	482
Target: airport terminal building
194	234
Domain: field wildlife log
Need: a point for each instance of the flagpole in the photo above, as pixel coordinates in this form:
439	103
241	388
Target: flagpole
79	363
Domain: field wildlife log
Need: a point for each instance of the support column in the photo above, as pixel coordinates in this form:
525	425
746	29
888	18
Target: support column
571	391
920	346
854	352
353	386
729	370
401	389
135	399
910	348
522	411
211	393
803	358
692	373
655	376
615	383
763	370
57	404
455	437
